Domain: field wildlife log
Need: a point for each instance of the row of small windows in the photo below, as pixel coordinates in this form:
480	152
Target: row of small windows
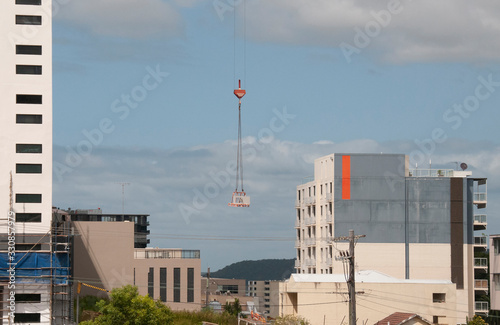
29	119
28	168
28	20
28	148
29	2
28	69
29	49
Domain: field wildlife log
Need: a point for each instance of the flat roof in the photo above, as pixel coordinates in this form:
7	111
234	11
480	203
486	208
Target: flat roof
367	276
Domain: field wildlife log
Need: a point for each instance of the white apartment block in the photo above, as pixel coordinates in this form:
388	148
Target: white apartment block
419	223
26	164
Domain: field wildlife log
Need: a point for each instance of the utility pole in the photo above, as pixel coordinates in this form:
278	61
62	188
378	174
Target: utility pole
351	281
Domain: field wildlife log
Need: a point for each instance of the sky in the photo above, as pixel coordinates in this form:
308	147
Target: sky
143	94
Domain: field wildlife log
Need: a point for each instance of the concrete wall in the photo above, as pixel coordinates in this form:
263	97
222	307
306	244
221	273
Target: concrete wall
326	303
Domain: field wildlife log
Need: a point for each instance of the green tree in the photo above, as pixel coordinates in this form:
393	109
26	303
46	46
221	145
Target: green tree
292	320
127	307
476	320
233	308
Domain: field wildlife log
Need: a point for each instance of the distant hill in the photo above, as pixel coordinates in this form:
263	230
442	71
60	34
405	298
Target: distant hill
270	269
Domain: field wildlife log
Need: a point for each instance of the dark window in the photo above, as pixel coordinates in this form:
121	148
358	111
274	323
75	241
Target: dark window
29	168
151	282
232	288
27	247
267	293
177	284
28	198
28	148
26	318
190	288
28	99
163	284
28	297
28	217
29	49
28	69
439	297
28	119
29	2
28	20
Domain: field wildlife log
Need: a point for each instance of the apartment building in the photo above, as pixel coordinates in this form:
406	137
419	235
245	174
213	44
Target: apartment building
268	296
419	223
105	257
494	272
26	170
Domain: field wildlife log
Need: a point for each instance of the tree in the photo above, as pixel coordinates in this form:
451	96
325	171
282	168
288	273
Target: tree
233	308
127	307
476	320
292	320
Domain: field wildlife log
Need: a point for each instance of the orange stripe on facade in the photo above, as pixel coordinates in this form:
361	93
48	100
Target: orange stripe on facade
346	177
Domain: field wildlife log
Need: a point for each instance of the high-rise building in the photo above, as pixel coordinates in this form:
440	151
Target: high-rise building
418	223
26	168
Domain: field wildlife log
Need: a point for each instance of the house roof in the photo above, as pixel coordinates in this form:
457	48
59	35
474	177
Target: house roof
367	276
399	318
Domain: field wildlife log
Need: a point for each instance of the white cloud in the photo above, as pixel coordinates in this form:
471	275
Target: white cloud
425	30
162	182
124	18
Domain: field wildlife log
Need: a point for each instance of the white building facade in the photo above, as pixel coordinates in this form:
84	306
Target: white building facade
26	164
419	224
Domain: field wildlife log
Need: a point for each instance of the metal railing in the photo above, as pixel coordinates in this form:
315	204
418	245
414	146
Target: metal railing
481	284
479	218
297	203
298	243
481	306
480	197
431	172
310	262
297	223
309	221
310	241
329	197
166	253
480	240
480	262
310	200
329	217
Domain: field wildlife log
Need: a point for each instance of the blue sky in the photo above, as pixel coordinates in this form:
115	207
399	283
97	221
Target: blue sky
321	77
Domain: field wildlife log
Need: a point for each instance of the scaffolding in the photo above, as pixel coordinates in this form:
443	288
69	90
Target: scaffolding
41	260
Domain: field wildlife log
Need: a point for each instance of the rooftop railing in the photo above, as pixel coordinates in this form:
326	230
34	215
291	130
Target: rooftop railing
146	253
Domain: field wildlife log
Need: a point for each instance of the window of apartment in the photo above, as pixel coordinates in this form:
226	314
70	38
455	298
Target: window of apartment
29	2
163	284
267	300
496	245
28	247
28	20
28	69
267	294
321	189
28	99
29	49
438	297
232	288
177	284
298	194
28	198
151	282
27	318
266	289
496	280
28	168
190	287
28	119
28	297
28	217
267	306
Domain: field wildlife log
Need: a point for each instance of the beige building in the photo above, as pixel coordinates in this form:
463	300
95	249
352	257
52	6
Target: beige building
323	298
494	272
267	293
104	256
414	221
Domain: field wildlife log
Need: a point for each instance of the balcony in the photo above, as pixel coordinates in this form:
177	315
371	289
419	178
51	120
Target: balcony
329	217
310	221
310	200
310	262
297	223
298	243
297	264
297	203
480	222
481	307
481	285
310	241
480	199
329	197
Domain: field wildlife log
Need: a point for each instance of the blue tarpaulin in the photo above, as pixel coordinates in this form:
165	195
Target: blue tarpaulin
35	267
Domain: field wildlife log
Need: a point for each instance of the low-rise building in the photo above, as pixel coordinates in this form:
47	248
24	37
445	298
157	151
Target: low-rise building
267	293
